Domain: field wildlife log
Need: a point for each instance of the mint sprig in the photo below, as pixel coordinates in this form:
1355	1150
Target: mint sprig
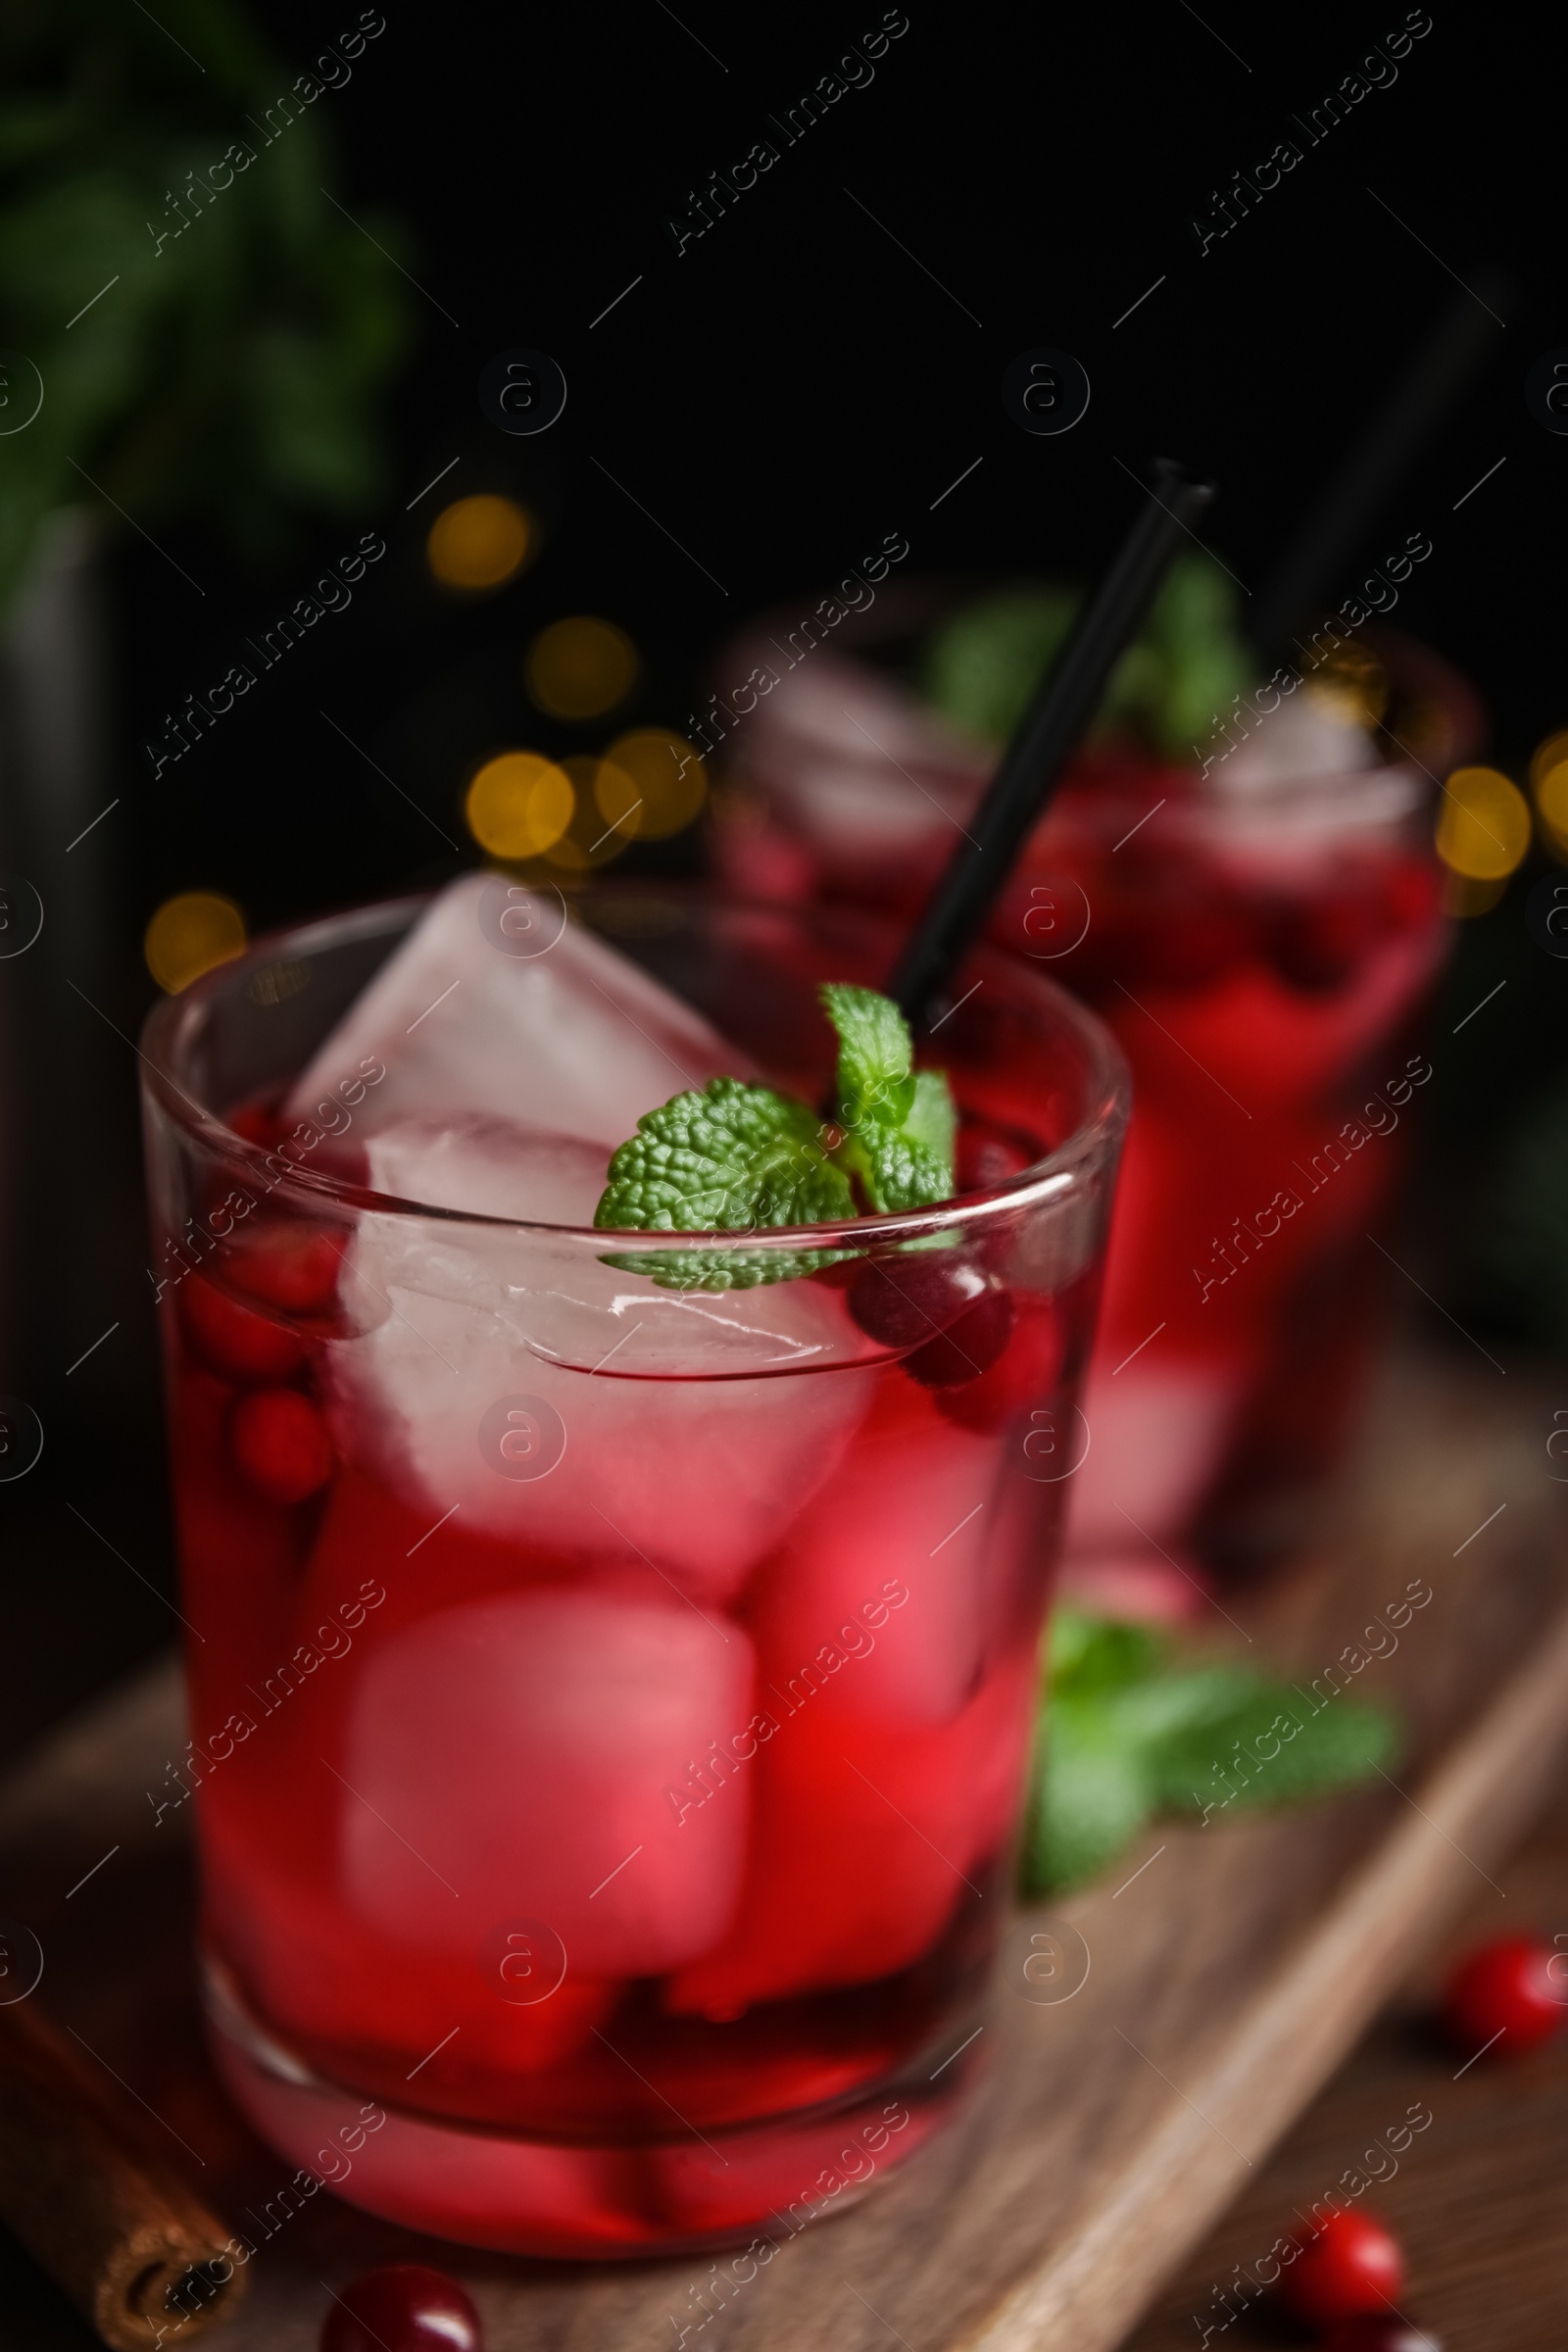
737	1158
1127	1732
898	1127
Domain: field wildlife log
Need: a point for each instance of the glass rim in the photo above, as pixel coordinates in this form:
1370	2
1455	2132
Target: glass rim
172	1024
922	598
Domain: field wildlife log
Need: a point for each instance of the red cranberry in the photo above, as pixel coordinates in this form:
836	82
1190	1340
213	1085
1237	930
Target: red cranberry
841	1274
988	1156
1512	1992
1025	1373
405	2308
279	1440
256	1124
1319	946
1388	2334
235	1340
1180	942
1351	2267
901	1300
289	1265
967	1348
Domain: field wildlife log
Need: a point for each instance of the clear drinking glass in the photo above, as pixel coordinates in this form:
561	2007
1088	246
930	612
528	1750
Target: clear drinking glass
611	1700
1265	958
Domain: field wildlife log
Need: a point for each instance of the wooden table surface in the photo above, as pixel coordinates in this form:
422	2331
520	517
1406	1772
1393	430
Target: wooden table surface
1480	2198
1477	2198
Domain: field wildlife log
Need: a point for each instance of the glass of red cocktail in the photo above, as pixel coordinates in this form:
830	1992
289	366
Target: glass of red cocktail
1261	935
611	1698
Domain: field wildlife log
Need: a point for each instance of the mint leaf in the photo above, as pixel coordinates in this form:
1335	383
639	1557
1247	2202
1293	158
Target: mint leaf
1095	1795
731	1158
876	1053
1087	1653
1128	1731
899	1125
1269	1748
738	1157
932	1119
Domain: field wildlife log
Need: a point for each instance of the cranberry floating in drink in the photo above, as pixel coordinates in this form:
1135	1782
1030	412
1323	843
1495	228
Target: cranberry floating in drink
617	1657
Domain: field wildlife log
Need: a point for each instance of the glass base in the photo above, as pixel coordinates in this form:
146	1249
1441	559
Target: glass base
762	2182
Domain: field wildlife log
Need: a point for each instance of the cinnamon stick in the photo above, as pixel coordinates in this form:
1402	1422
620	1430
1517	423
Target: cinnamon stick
139	2255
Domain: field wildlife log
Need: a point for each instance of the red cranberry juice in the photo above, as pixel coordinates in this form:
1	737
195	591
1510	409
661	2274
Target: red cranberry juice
560	1838
1266	981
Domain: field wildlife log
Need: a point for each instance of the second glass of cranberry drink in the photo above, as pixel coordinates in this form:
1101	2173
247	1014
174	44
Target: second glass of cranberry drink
1263	940
616	1656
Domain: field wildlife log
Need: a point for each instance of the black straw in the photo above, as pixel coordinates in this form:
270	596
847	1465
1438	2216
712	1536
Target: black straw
1032	766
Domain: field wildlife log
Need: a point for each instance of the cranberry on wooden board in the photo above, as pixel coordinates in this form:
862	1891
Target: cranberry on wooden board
1512	1994
404	2308
1352	2266
280	1445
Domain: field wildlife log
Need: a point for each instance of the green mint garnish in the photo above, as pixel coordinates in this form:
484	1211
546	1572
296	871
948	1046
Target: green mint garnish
1127	1732
898	1128
737	1158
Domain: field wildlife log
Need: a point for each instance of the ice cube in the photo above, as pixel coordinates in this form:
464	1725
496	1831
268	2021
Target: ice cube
865	1844
514	1756
324	1975
662	1435
1158	1437
1302	736
886	1569
575	1037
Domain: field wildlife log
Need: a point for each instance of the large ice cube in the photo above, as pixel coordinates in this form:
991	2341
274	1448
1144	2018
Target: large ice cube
886	1568
867	1842
513	1759
671	1438
574	1038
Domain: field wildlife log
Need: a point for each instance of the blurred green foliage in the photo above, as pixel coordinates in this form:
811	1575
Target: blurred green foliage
982	664
238	366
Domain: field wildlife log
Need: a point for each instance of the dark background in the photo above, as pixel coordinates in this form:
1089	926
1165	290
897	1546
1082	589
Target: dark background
791	388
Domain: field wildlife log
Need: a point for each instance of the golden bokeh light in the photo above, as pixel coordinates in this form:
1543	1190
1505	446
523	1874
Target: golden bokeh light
1552	803
519	804
581	668
1484	824
668	782
1352	684
192	934
591	839
1466	899
1549	753
478	543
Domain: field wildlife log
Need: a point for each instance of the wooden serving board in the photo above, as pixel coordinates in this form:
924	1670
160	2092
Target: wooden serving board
1231	1966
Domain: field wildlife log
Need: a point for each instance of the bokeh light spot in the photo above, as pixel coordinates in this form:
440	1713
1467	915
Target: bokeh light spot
1484	824
1549	753
1552	801
479	543
668	778
190	935
1466	899
578	669
519	804
1352	683
592	838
